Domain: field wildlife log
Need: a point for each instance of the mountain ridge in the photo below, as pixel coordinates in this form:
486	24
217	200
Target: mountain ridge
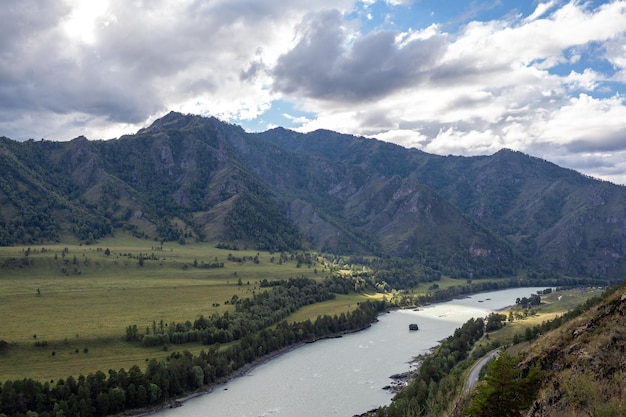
535	204
190	177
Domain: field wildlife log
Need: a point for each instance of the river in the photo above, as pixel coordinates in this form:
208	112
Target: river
343	376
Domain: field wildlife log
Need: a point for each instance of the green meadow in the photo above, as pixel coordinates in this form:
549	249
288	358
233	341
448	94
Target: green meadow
65	308
552	305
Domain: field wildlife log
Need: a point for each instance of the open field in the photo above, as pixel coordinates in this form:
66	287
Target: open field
341	304
65	308
552	305
75	302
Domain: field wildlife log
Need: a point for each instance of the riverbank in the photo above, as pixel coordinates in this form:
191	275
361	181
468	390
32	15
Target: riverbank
349	374
402	380
179	401
243	371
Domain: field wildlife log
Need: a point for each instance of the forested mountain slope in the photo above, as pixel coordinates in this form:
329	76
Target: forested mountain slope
556	217
189	177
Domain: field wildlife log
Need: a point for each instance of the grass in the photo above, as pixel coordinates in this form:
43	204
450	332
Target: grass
77	301
341	304
552	305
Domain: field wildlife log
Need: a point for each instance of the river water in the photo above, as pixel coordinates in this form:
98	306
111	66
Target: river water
343	376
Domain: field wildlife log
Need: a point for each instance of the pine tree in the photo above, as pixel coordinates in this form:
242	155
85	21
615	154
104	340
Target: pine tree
505	392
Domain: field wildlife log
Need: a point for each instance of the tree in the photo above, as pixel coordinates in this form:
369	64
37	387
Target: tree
506	391
102	403
528	334
198	376
495	321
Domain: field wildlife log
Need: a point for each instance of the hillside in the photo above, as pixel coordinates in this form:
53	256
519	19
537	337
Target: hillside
556	217
575	369
189	178
570	365
583	363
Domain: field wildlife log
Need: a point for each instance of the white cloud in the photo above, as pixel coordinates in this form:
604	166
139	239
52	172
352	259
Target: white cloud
491	86
587	123
616	51
299	120
124	62
108	67
588	80
541	10
84	19
468	142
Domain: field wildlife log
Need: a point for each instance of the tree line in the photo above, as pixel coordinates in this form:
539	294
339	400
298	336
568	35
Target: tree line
99	394
251	314
388	272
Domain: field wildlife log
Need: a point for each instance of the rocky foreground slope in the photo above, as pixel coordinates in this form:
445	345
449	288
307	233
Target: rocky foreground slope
584	363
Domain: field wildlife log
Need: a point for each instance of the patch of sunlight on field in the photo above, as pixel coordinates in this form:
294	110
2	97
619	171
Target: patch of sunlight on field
341	304
552	305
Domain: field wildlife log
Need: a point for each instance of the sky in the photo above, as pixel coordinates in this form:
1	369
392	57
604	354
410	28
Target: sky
547	78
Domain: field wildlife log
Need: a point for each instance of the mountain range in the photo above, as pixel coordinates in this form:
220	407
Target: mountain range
186	178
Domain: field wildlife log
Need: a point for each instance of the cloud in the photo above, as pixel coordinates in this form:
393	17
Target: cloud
125	62
541	9
490	85
550	83
326	65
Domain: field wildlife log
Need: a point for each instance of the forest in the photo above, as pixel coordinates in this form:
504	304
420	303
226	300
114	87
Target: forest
251	314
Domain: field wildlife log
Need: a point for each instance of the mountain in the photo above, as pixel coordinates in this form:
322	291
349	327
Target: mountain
560	219
193	178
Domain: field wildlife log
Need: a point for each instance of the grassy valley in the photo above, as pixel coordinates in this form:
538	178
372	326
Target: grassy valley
66	308
76	301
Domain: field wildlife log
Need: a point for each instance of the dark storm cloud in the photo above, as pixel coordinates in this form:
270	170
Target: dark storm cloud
21	18
376	119
82	85
611	141
465	71
465	102
42	71
253	70
324	66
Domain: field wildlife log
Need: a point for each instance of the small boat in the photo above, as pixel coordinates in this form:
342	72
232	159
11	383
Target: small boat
413	326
